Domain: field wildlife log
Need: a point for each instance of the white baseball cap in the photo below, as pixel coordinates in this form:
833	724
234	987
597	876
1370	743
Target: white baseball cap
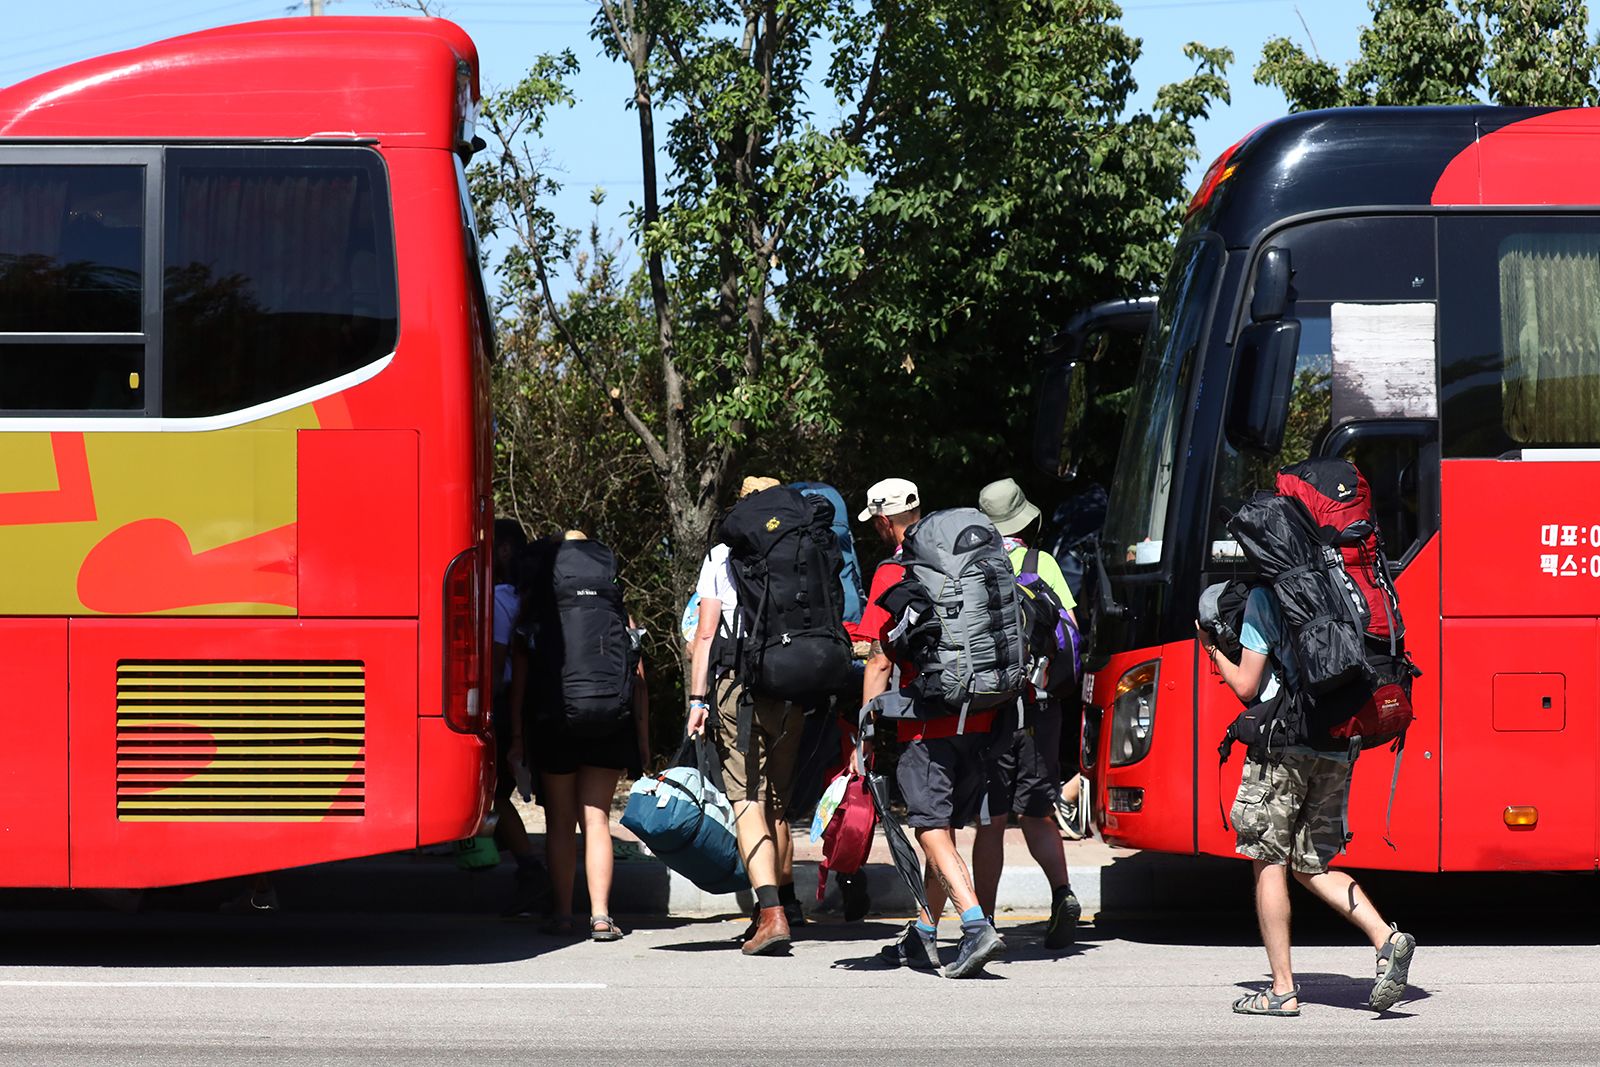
892	496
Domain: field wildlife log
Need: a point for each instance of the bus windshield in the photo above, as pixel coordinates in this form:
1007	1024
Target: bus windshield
1137	515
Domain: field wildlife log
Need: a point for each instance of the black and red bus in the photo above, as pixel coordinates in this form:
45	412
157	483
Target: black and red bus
1416	289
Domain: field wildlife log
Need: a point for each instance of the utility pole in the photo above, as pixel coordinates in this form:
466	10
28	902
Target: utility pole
316	6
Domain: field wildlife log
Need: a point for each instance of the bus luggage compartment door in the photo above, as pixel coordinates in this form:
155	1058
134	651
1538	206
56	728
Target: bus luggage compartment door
209	748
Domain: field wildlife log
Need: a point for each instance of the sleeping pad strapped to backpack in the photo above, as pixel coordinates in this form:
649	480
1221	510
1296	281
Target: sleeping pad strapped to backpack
790	643
957	616
598	652
855	594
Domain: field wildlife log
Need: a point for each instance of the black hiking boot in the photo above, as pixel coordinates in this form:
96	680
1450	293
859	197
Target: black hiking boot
979	945
1062	930
913	949
853	896
532	896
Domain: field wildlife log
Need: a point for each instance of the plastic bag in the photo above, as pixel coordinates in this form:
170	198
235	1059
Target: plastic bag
829	803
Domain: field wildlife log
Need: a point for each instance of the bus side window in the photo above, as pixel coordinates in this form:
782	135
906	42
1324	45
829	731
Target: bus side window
280	274
72	254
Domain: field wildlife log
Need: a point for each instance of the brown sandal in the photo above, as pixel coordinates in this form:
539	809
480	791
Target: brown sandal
604	928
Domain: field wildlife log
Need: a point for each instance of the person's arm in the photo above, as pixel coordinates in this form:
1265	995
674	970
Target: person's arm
517	693
1244	677
700	664
641	713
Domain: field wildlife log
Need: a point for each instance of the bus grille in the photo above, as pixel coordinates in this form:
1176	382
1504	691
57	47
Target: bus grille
240	741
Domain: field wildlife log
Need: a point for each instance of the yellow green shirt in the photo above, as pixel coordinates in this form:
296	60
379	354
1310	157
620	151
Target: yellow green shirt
1049	571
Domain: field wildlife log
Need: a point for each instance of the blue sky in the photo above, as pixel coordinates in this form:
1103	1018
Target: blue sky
596	142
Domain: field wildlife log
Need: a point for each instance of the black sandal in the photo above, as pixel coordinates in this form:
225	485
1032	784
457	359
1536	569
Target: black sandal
604	928
1394	967
1267	1002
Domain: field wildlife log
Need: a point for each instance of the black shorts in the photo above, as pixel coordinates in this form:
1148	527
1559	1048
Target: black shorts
552	750
1025	776
942	780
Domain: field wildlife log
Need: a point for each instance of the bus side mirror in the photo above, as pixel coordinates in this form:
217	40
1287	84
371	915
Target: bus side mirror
1058	429
1262	385
1270	301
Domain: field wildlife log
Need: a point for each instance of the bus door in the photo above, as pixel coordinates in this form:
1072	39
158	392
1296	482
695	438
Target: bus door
33	751
1520	571
1363	298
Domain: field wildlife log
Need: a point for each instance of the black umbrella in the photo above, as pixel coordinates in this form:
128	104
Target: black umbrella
901	850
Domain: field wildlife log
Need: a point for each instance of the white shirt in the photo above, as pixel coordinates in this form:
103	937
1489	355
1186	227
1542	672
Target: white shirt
716	583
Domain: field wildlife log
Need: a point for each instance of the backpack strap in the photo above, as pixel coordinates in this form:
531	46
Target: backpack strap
1030	563
1394	783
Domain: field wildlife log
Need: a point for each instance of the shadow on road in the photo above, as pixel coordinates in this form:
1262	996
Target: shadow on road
1205	900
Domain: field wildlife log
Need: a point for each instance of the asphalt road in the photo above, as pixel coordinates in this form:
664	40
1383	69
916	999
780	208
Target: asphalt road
91	987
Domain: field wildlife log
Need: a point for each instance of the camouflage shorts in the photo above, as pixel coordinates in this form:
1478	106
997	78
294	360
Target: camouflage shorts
1292	811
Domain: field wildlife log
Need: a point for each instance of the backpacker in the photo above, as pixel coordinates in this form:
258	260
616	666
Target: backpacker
1052	637
790	642
850	586
598	653
970	655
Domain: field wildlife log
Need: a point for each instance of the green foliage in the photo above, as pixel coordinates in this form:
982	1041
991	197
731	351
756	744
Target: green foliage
836	288
1512	52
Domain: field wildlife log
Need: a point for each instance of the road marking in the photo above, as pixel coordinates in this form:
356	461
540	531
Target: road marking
52	983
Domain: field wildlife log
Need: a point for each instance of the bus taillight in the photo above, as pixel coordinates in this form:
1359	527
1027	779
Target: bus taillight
463	644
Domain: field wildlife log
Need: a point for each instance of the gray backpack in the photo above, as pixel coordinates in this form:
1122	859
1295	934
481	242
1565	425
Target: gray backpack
958	559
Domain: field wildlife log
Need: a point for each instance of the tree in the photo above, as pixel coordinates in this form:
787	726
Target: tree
1012	182
1511	52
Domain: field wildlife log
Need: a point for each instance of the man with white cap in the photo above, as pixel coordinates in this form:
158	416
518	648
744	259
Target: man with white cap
1025	776
941	769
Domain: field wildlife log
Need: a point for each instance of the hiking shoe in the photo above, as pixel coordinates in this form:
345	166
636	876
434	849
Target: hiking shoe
532	896
796	915
1062	930
771	935
1394	967
853	897
979	945
913	949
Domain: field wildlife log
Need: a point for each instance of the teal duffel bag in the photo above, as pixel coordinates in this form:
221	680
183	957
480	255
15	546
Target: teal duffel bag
684	818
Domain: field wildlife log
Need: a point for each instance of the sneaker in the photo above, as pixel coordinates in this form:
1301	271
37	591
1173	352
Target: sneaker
853	897
913	949
1062	929
979	945
1067	819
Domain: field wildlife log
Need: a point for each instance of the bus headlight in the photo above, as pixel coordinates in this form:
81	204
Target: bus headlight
1133	714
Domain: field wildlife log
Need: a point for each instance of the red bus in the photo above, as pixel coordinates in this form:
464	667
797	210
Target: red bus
244	455
1417	290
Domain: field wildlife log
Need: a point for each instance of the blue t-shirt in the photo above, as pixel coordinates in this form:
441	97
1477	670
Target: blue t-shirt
1263	631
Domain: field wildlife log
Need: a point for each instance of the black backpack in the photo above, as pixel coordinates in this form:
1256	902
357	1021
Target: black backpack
790	643
596	653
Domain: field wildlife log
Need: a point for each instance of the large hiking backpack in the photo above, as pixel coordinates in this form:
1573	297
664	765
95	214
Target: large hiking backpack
957	561
1339	501
850	585
790	643
1054	645
598	653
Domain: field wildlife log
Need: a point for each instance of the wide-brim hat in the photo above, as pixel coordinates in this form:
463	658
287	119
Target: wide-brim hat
1007	507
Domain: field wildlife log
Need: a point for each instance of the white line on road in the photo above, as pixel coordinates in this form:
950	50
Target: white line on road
51	983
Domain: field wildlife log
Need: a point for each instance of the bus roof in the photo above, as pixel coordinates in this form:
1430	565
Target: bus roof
1395	157
393	80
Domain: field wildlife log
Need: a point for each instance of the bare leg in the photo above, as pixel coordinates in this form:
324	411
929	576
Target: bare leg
596	787
1341	893
1044	845
1272	912
988	856
783	840
939	846
509	832
561	837
756	843
1070	790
